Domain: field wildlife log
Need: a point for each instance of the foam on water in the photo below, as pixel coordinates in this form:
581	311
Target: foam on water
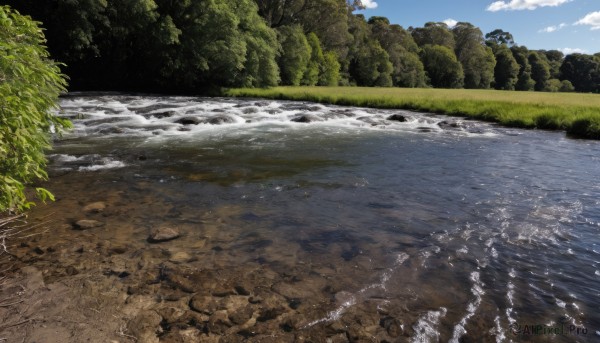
186	117
477	291
362	294
426	327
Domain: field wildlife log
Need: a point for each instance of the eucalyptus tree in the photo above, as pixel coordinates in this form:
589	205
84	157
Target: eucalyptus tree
524	80
408	71
433	34
443	68
294	55
477	59
540	70
506	72
583	71
498	37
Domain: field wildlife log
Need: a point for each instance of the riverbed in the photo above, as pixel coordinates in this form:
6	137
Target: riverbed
307	222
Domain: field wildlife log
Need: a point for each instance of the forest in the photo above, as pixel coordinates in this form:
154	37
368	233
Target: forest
199	46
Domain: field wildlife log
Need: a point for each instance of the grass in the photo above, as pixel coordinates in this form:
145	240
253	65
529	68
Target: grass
578	114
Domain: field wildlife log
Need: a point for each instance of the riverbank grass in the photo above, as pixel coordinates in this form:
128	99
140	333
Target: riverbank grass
578	114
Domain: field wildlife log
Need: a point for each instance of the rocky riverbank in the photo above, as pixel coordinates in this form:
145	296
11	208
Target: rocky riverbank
66	285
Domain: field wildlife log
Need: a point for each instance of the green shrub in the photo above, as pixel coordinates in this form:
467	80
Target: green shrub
29	87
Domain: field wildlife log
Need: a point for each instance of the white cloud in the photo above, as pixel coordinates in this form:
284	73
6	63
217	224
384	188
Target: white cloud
568	51
369	4
514	5
450	22
592	19
553	28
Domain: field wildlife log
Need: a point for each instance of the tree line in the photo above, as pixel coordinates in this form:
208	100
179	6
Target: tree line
199	45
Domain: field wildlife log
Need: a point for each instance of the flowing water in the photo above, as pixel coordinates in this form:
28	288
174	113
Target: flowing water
423	230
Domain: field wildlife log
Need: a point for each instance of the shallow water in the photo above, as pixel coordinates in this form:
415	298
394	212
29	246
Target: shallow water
430	229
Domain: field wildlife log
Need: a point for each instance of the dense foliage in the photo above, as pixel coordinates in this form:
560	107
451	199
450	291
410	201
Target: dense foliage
29	87
199	45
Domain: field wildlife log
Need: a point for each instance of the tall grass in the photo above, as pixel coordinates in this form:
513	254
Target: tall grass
578	114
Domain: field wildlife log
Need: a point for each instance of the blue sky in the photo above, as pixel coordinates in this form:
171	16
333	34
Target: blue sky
566	25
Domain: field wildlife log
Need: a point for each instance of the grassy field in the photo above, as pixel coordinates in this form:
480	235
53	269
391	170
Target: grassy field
578	114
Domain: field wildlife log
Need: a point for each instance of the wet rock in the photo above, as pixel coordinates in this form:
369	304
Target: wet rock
219	322
86	224
111	130
397	117
146	326
118	249
171	314
181	282
449	125
339	338
369	120
181	257
270	313
221	119
392	326
425	129
241	315
148	109
188	121
204	304
161	115
163	234
250	110
95	207
262	103
241	290
306	118
292	290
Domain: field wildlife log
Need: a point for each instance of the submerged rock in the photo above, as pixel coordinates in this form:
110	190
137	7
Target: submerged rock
188	121
95	207
161	115
306	118
449	125
86	224
163	234
220	119
397	117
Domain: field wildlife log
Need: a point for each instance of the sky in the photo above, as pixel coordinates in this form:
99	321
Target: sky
566	25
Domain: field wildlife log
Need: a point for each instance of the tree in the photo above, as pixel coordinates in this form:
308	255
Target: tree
315	64
554	59
371	66
294	55
583	71
540	70
566	86
330	72
499	37
408	71
433	34
29	89
506	71
477	59
442	67
524	80
328	19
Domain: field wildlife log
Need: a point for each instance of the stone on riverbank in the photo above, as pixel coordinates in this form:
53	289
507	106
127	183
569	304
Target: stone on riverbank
163	234
95	207
86	224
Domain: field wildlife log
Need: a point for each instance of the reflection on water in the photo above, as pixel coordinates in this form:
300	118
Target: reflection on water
354	226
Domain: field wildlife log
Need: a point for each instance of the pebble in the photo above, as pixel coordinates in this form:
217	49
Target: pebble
95	207
163	234
86	224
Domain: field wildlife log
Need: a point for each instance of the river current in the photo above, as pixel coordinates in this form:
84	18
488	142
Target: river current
387	224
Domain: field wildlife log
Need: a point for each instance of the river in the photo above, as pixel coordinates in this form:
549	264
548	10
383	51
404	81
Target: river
360	227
